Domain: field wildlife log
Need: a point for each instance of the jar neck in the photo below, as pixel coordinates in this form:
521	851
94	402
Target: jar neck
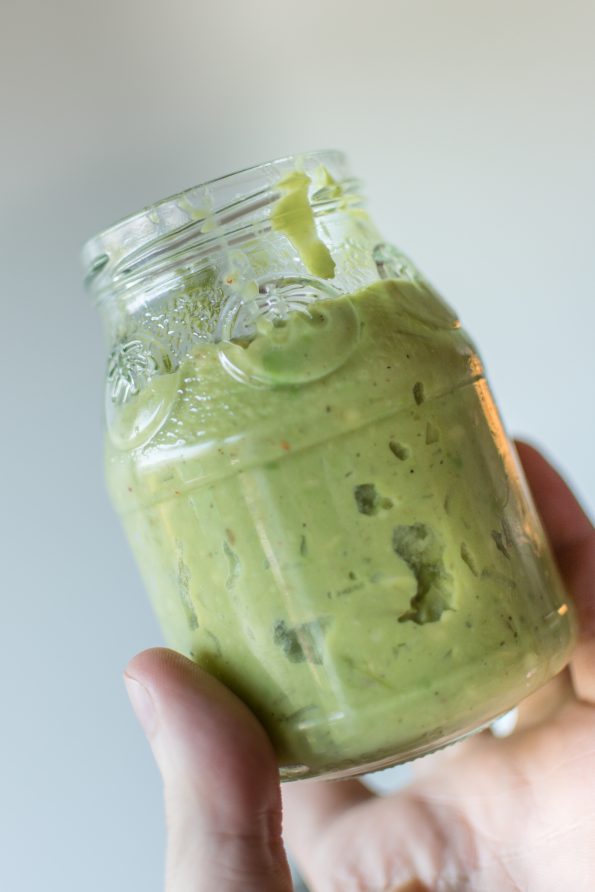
212	224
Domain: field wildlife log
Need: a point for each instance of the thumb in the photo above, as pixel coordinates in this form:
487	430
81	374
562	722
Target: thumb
220	777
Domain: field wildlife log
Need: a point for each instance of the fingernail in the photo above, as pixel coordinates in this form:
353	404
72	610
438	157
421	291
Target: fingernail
142	703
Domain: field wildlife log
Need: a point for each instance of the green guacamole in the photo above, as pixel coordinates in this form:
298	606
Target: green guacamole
329	519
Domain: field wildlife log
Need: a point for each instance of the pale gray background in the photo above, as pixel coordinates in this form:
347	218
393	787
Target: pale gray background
472	125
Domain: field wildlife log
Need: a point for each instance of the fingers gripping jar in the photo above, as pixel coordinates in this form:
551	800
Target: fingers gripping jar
312	474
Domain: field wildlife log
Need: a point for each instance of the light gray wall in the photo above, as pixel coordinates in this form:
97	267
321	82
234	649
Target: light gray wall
472	125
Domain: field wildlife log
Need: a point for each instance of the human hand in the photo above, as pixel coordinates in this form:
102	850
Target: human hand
487	815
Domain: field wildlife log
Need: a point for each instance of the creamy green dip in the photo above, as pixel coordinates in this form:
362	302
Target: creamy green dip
293	215
329	519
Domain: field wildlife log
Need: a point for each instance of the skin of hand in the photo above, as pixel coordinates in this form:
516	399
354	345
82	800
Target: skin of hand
486	815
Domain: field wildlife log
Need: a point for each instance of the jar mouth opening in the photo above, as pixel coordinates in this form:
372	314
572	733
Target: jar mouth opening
200	205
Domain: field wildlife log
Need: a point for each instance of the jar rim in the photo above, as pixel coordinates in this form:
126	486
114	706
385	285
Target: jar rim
195	204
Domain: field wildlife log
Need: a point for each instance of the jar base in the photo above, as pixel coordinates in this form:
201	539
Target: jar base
289	773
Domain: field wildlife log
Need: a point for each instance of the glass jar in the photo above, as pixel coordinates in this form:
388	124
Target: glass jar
312	474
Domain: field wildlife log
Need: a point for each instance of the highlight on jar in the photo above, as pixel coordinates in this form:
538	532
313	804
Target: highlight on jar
306	458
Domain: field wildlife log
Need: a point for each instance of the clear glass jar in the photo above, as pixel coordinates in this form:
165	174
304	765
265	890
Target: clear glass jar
313	476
